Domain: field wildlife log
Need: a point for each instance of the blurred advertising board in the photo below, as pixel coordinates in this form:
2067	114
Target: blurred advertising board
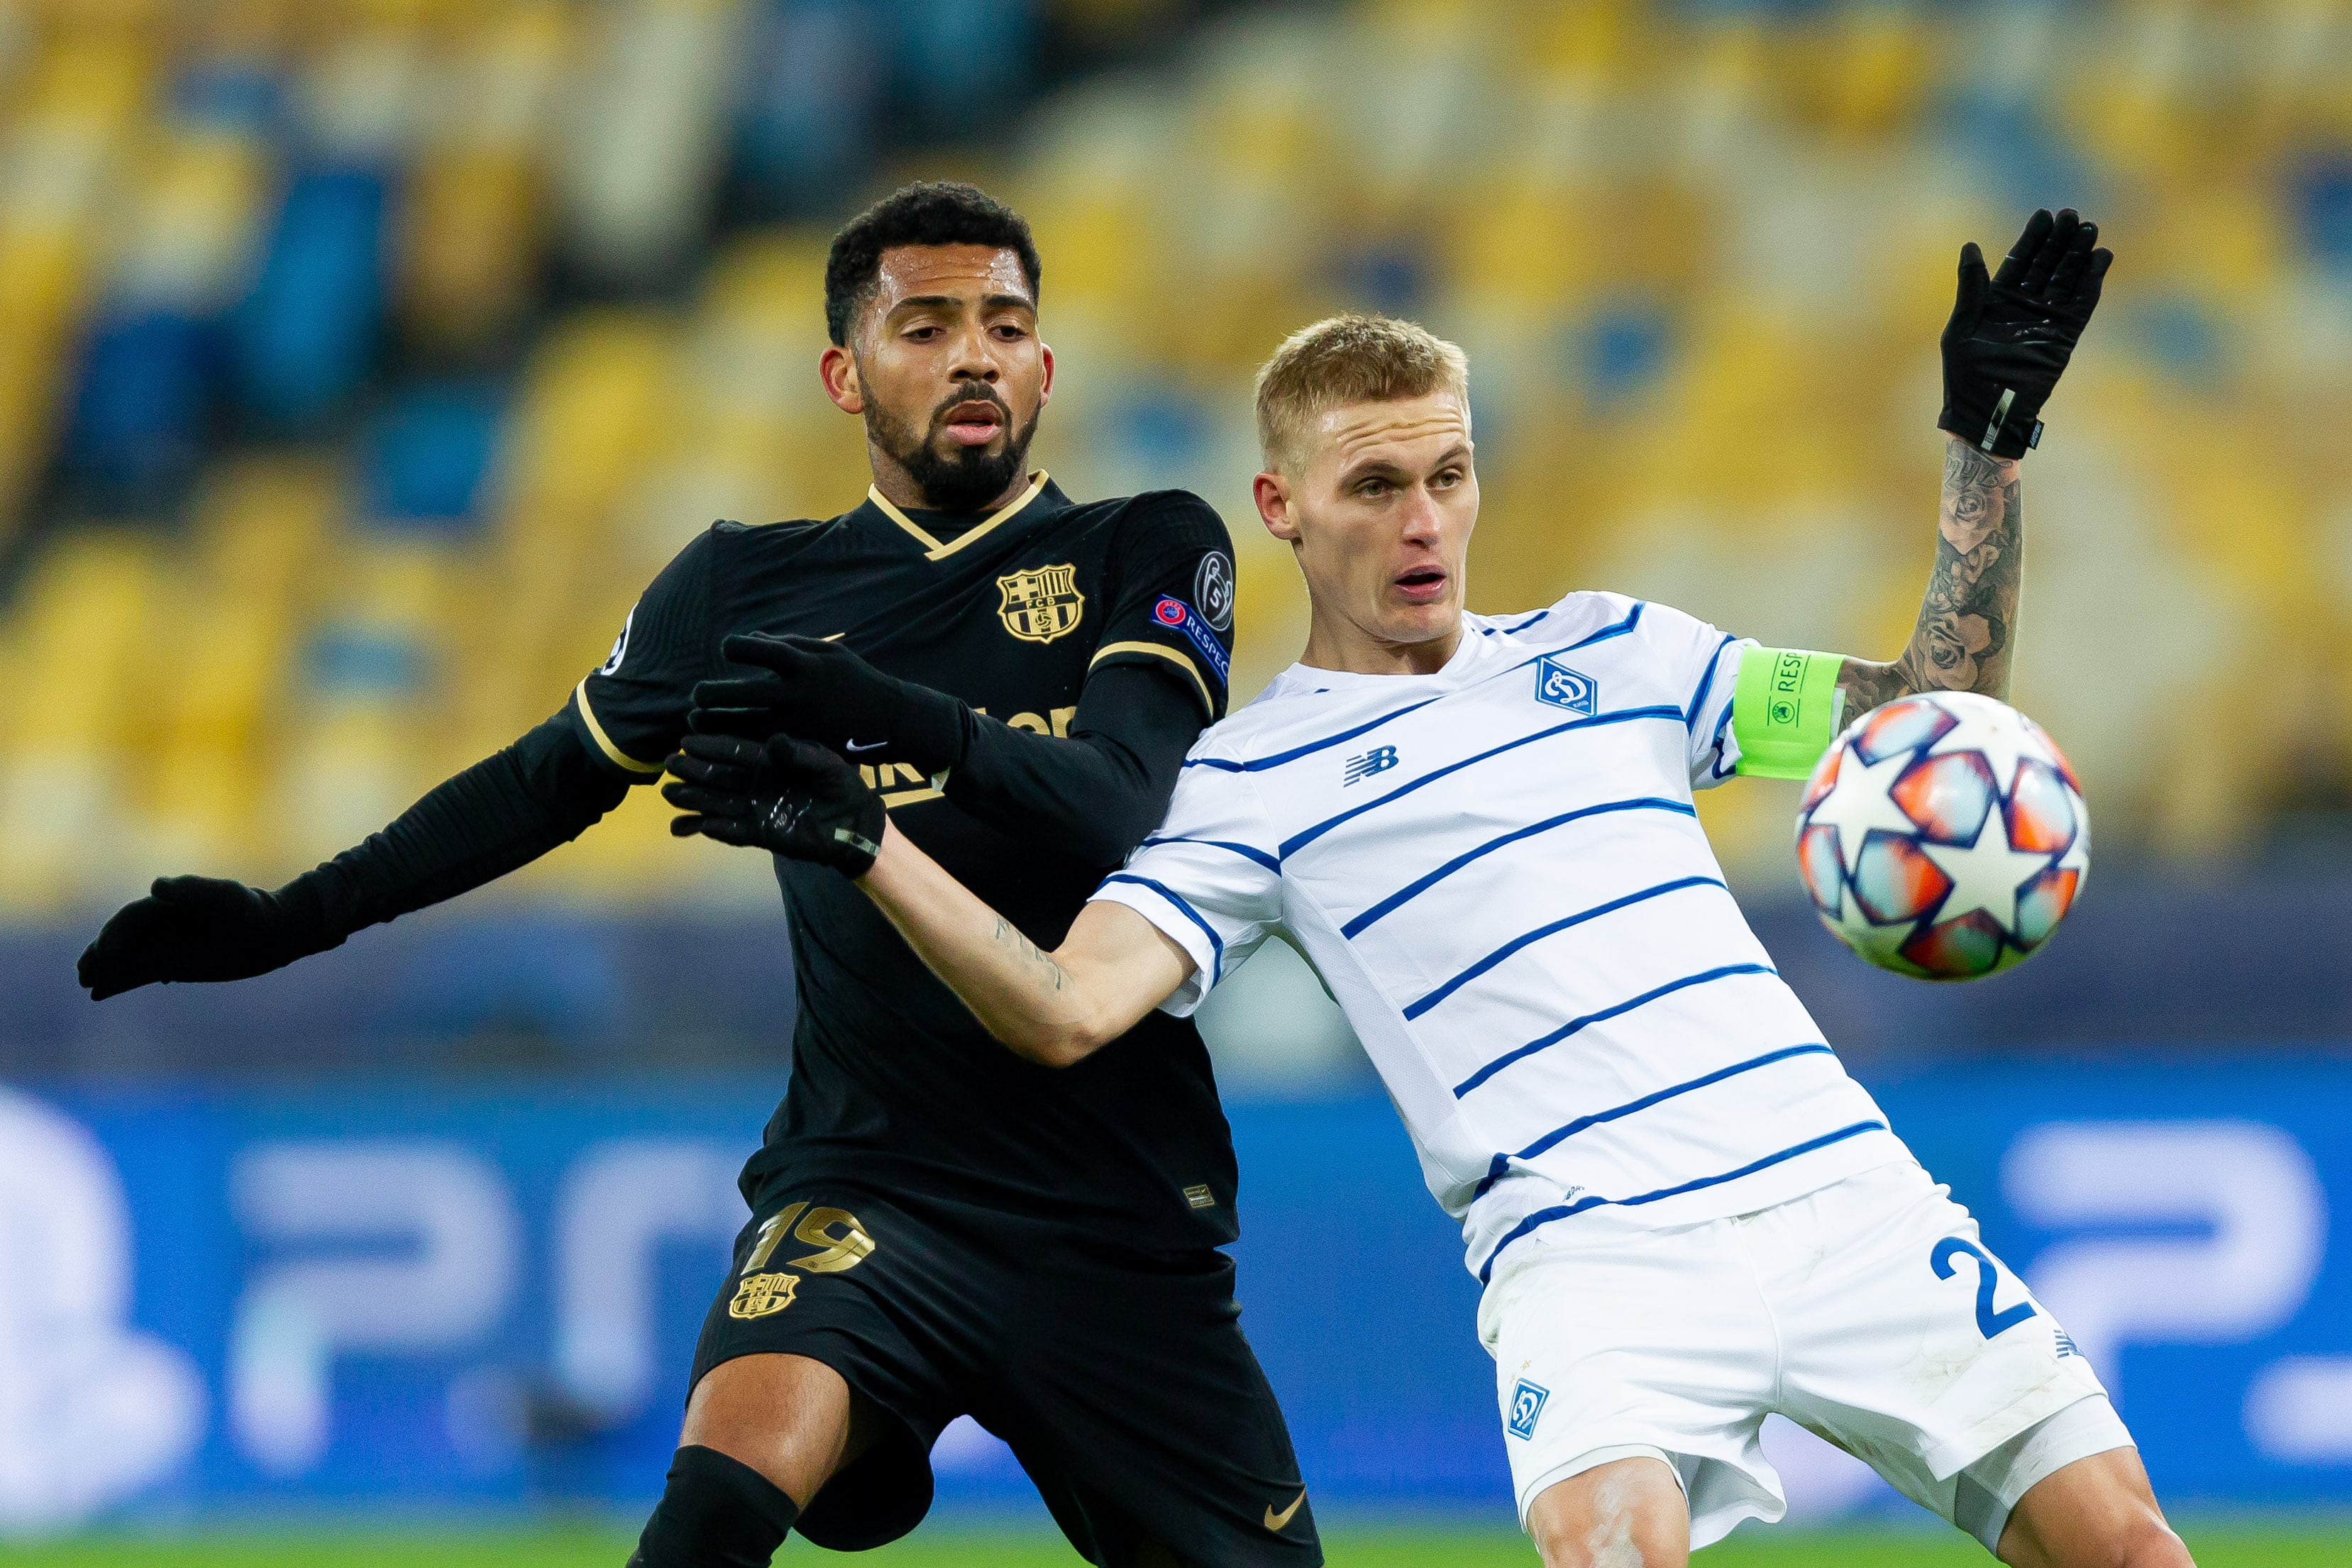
235	1297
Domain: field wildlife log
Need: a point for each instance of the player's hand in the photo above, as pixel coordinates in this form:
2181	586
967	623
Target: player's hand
193	928
790	797
821	691
2011	335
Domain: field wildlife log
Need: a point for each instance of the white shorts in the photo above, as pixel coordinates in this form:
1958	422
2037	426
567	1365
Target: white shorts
1867	1312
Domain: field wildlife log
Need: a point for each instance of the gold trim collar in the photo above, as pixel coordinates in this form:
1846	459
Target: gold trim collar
935	551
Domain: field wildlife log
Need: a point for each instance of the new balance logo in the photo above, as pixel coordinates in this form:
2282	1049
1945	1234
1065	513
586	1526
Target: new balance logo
1378	759
2066	1345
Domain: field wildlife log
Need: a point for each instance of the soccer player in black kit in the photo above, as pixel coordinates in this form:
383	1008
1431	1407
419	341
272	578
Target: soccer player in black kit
936	1226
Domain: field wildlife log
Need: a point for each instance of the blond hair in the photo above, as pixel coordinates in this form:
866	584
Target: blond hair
1350	359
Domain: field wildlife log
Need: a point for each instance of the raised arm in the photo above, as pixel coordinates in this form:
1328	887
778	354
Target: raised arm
1969	615
2008	340
801	801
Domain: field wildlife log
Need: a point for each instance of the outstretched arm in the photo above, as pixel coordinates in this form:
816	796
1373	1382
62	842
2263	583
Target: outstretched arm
800	801
2009	337
502	813
1969	613
1091	790
1056	1008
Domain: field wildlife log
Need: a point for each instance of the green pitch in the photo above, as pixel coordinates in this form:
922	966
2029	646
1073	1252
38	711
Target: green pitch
2219	1546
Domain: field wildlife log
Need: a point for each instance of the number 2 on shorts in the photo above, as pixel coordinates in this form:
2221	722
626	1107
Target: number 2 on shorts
1989	1322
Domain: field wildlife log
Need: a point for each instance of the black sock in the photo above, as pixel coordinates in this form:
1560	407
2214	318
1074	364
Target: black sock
716	1512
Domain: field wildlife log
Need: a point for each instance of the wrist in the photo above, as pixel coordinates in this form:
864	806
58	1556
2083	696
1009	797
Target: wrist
888	872
2006	468
305	915
932	731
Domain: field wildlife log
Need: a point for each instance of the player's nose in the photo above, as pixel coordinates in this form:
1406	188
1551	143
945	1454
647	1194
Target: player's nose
975	359
1421	519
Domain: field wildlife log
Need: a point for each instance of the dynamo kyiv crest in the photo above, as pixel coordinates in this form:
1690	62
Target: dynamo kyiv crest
1565	688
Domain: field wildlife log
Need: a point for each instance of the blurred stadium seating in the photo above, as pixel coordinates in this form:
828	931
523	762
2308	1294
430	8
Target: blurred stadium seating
360	361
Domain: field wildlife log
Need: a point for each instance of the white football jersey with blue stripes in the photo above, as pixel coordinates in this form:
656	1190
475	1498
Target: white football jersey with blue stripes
1498	872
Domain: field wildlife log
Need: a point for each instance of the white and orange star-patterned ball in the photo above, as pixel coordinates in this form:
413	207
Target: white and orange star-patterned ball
1943	835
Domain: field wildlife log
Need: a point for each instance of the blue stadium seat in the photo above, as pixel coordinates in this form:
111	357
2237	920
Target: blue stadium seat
304	339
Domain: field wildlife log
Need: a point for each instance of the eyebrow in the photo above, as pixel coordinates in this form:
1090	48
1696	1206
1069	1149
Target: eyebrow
955	303
1389	466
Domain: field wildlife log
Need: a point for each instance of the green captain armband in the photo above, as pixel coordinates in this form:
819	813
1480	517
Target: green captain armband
1785	711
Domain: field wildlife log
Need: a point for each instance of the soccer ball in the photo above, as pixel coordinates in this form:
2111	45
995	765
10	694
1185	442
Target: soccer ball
1943	835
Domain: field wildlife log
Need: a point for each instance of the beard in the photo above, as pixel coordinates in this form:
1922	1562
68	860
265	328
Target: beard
962	479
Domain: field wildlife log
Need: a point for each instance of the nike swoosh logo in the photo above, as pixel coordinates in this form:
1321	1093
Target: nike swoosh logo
869	746
1277	1521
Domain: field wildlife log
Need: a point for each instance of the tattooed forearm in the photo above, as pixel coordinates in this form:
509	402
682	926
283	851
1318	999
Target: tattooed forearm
1968	620
1050	972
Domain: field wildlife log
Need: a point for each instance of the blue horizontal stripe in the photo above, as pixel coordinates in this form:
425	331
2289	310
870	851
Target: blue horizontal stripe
1415	1009
1615	629
1216	946
1300	840
1633	618
1259	764
1422	885
1244	850
1573	1025
1560	1135
1705	685
1561	1210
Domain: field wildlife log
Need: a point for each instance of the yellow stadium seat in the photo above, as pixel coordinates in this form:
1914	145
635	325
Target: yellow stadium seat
469	244
595	406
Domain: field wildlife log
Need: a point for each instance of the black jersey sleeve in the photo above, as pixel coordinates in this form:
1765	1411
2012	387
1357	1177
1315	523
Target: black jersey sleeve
494	818
503	812
1095	795
1171	581
630	711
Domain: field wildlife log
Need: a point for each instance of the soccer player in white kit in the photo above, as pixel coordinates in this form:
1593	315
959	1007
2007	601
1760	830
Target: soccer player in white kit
1684	1214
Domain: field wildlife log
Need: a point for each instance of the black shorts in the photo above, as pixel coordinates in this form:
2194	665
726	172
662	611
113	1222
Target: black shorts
1120	1381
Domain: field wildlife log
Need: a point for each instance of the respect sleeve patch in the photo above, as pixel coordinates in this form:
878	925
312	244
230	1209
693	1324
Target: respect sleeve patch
1785	711
1176	614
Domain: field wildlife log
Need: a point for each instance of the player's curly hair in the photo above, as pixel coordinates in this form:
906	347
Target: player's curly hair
931	212
1353	358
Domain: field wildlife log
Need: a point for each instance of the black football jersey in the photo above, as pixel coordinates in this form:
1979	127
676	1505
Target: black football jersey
894	1083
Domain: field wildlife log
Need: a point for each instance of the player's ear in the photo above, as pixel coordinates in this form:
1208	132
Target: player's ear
1271	491
837	368
1046	387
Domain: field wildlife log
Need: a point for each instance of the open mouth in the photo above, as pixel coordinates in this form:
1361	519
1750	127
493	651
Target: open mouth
974	422
1422	585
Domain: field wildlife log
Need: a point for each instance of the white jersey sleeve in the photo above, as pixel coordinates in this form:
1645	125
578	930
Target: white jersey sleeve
1704	662
1210	879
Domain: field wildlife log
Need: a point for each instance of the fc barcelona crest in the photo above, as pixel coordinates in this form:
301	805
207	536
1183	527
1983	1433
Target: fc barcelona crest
1040	606
761	1294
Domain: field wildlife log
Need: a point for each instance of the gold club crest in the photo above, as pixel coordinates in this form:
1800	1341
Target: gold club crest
761	1294
1040	606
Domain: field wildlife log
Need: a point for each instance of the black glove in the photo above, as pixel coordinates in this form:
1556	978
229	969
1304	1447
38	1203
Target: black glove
202	928
821	691
794	798
2011	335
